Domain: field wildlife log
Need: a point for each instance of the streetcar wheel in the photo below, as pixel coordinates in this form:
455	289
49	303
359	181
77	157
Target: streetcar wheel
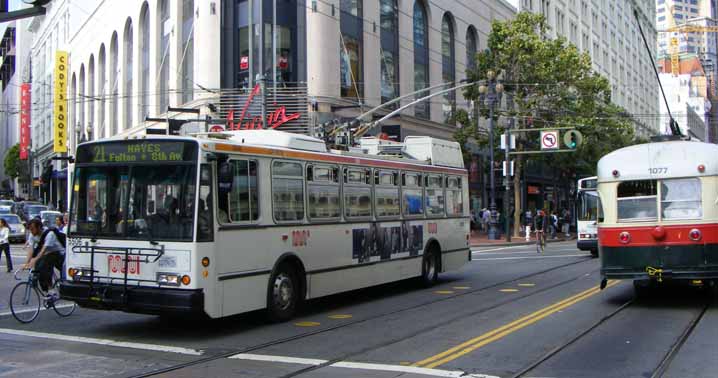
24	302
283	295
594	253
62	307
430	268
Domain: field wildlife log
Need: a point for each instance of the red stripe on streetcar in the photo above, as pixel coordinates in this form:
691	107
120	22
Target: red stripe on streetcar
642	236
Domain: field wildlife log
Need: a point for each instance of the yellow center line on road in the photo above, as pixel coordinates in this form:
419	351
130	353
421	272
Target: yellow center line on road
499	333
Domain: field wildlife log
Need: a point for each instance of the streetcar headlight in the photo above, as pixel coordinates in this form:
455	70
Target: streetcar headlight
170	279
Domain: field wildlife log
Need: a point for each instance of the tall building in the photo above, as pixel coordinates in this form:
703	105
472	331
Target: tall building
607	31
677	47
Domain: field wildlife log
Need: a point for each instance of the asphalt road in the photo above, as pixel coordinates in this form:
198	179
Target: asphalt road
510	312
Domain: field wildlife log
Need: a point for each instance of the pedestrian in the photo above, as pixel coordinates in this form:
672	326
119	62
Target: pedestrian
5	243
485	219
528	222
566	223
60	224
554	224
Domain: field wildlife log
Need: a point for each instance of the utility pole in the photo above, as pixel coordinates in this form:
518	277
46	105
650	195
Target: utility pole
491	95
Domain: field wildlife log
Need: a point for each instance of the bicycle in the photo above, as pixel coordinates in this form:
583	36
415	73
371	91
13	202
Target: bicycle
540	241
27	297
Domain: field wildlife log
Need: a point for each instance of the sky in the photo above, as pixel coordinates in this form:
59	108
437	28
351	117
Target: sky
515	3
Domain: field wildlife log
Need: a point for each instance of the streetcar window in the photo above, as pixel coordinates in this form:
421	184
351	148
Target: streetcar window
287	191
323	193
412	194
386	194
681	199
637	201
241	203
454	196
434	195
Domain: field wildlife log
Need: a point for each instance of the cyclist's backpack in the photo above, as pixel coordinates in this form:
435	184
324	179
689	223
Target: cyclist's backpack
62	238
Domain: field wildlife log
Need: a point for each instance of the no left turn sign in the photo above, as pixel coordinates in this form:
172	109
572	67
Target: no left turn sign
549	140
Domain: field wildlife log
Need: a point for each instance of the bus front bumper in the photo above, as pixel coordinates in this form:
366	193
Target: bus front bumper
142	300
587	244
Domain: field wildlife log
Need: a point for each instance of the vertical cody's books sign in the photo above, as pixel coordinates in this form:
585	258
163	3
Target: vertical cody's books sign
24	120
60	101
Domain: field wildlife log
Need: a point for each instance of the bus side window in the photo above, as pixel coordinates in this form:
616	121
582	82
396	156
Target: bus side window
205	225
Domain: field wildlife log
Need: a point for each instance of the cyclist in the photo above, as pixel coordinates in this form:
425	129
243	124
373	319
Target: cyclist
541	223
47	252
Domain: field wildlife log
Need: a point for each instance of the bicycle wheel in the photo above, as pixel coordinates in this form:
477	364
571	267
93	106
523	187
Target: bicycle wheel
62	307
24	302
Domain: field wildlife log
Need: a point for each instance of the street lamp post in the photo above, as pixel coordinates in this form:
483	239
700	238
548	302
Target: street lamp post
490	95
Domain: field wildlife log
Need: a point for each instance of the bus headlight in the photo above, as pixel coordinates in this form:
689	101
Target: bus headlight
169	279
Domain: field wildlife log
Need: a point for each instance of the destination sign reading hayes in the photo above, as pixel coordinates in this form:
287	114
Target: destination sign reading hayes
136	152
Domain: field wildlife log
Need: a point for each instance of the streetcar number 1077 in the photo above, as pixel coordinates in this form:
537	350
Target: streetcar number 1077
658	171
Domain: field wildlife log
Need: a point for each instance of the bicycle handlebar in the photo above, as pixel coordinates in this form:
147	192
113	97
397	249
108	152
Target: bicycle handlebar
18	272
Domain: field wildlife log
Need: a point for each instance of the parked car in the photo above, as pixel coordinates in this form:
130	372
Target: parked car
32	211
48	217
11	203
5	210
17	229
21	207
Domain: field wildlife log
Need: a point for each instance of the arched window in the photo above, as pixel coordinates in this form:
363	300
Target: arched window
448	67
101	92
471	47
421	58
82	99
389	21
114	84
91	94
187	64
164	56
350	48
144	103
127	87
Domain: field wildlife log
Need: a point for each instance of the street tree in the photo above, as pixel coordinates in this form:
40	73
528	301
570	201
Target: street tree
547	83
12	162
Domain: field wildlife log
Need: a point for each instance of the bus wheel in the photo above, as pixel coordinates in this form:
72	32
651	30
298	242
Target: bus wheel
283	294
430	267
594	253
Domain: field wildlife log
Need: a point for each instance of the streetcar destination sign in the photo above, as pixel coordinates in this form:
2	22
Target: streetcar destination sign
135	152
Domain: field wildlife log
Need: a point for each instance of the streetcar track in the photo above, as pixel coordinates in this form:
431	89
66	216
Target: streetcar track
660	369
571	341
676	347
379	316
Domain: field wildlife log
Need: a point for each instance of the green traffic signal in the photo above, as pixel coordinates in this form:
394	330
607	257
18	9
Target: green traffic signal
572	139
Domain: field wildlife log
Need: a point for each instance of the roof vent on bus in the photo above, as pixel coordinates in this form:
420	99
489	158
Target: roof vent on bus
276	138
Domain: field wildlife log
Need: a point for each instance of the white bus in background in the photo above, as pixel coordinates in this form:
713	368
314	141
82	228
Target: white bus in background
587	215
237	221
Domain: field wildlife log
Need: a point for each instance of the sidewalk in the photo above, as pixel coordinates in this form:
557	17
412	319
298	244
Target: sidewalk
480	239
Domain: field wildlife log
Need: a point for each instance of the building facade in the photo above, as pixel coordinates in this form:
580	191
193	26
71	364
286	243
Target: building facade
607	31
132	59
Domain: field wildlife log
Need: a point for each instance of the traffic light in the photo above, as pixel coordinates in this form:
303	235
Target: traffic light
46	176
572	139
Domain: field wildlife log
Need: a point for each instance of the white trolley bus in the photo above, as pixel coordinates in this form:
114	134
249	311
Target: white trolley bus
586	215
238	221
659	212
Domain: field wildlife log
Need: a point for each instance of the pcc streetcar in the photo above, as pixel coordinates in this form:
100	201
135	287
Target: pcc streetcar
237	221
658	215
587	215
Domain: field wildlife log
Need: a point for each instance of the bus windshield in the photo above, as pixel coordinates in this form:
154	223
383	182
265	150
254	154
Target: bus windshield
588	206
146	202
